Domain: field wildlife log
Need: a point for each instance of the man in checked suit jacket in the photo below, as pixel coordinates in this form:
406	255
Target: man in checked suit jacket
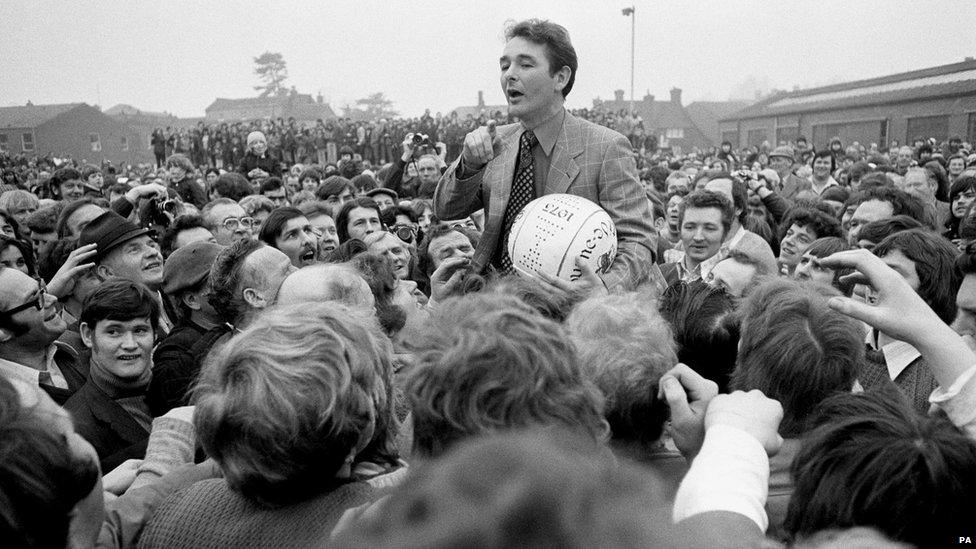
572	156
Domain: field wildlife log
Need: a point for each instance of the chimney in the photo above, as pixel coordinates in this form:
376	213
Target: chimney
676	95
648	98
481	98
618	95
968	58
318	98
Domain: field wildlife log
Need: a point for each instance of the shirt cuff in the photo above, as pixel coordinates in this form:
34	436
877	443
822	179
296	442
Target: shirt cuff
730	473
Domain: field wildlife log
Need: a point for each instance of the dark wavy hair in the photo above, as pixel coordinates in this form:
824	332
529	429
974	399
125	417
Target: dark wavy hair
559	50
934	259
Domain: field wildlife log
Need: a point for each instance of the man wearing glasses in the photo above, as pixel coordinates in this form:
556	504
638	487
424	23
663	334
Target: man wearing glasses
30	324
227	220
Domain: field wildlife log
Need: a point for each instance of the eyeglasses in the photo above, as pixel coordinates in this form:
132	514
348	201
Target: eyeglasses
36	300
232	223
405	233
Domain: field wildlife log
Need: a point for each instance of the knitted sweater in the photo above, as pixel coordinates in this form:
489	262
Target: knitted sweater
210	514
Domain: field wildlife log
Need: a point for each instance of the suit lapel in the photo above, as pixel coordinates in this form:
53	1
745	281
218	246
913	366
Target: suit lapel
563	168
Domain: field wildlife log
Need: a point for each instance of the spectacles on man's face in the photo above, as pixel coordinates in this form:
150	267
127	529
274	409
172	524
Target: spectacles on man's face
232	223
405	233
36	300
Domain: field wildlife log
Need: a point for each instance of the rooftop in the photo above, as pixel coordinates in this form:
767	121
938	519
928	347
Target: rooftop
32	116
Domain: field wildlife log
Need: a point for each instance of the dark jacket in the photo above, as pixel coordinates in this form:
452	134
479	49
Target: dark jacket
190	192
115	435
67	360
175	368
268	163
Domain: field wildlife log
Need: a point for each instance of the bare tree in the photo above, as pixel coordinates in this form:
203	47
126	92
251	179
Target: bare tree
273	71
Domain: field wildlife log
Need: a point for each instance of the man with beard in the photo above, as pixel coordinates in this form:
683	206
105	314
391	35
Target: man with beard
288	230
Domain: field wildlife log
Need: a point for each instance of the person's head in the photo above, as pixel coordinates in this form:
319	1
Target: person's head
705	328
961	195
538	68
801	227
186	280
211	176
43	229
124	250
796	349
384	198
876	231
358	218
957	163
918	183
51	489
245	278
704	218
734	190
737	273
363	183
184	230
428	170
824	164
625	346
809	269
538	488
292	399
257	143
781	160
28	316
118	323
19	204
678	183
905	157
178	167
336	191
881	203
75	215
258	207
274	190
231	185
309	179
927	262
66	184
389	245
478	343
17	254
835	197
442	242
227	220
873	461
290	231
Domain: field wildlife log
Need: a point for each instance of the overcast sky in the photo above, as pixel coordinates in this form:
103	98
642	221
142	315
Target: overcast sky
178	56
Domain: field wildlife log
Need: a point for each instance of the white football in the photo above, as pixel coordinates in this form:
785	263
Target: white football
552	231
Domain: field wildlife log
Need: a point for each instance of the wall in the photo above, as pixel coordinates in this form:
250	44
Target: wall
69	134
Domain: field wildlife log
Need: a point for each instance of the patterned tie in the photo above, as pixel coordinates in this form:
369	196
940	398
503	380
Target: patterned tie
523	191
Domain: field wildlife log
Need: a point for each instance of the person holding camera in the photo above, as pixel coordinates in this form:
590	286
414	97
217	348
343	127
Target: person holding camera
428	159
180	171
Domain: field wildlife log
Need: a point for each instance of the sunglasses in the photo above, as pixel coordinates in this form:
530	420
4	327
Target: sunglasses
405	233
36	300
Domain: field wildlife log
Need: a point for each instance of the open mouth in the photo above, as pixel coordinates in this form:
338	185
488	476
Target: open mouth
128	357
328	247
153	265
514	94
308	256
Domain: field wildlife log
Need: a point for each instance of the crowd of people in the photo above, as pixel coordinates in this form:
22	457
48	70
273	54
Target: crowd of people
272	338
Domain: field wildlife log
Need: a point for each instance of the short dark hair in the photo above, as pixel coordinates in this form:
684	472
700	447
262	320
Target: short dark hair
826	154
876	231
272	226
314	174
342	218
333	185
828	246
226	277
231	185
708	199
959	186
312	208
60	176
559	50
43	479
934	259
835	193
871	460
180	224
25	250
271	184
120	299
820	223
705	328
901	202
795	349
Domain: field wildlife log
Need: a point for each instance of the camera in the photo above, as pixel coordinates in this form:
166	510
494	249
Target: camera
422	145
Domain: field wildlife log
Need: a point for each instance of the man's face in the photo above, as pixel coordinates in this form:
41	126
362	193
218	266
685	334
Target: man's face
335	201
965	323
291	181
277	196
328	235
298	241
42	326
71	190
309	184
176	173
383	200
196	234
674	204
903	266
702	233
781	164
266	268
810	269
227	222
962	202
526	81
81	217
956	166
136	259
872	210
452	244
795	243
904	157
732	276
122	347
427	168
917	183
363	221
393	248
679	185
20	213
821	167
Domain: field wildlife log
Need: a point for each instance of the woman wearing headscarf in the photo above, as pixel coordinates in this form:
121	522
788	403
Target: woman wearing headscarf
259	162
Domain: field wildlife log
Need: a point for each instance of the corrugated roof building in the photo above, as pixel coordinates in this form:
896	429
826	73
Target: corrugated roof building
300	106
936	102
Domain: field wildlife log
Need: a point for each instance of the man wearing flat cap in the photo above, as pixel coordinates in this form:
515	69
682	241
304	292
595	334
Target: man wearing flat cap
781	160
125	250
186	284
